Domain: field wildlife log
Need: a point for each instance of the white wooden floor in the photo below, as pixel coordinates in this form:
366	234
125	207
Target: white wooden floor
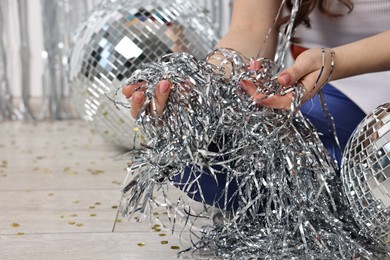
59	190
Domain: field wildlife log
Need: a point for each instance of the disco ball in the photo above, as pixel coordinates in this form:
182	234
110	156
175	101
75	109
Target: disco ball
366	175
115	40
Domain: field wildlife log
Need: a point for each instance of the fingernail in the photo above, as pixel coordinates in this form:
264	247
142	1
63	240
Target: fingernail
284	79
252	65
243	86
137	98
164	86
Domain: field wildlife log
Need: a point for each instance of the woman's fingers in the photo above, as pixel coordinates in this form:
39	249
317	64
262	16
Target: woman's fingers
129	89
162	93
137	97
137	101
277	102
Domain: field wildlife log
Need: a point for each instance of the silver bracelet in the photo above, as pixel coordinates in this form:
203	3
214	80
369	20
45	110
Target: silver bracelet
332	64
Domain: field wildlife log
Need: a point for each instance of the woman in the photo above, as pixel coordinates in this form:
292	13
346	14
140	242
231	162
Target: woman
354	39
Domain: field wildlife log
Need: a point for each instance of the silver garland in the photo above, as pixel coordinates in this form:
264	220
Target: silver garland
286	202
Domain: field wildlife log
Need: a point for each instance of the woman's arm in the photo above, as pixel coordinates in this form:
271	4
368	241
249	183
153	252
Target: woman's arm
251	21
368	55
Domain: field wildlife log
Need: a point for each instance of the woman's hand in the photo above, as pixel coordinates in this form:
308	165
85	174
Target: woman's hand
312	70
135	93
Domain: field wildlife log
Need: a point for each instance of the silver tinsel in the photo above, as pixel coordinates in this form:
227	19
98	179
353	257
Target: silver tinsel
276	192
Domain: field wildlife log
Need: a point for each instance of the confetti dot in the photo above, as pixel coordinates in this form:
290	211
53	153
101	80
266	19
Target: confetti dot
92	215
164	242
71	222
79	224
175	247
73	215
97	172
141	244
118	220
75	201
92	207
20	233
98	203
15	225
114	207
162	235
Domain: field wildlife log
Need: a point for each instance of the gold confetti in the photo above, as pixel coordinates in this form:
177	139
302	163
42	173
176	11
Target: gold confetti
71	222
92	207
96	172
92	215
114	207
164	242
141	244
156	226
156	214
79	224
157	230
15	225
20	233
75	201
162	235
118	220
98	203
73	215
175	247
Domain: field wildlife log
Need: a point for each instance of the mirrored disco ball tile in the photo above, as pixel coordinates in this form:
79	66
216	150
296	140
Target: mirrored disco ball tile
366	175
115	40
